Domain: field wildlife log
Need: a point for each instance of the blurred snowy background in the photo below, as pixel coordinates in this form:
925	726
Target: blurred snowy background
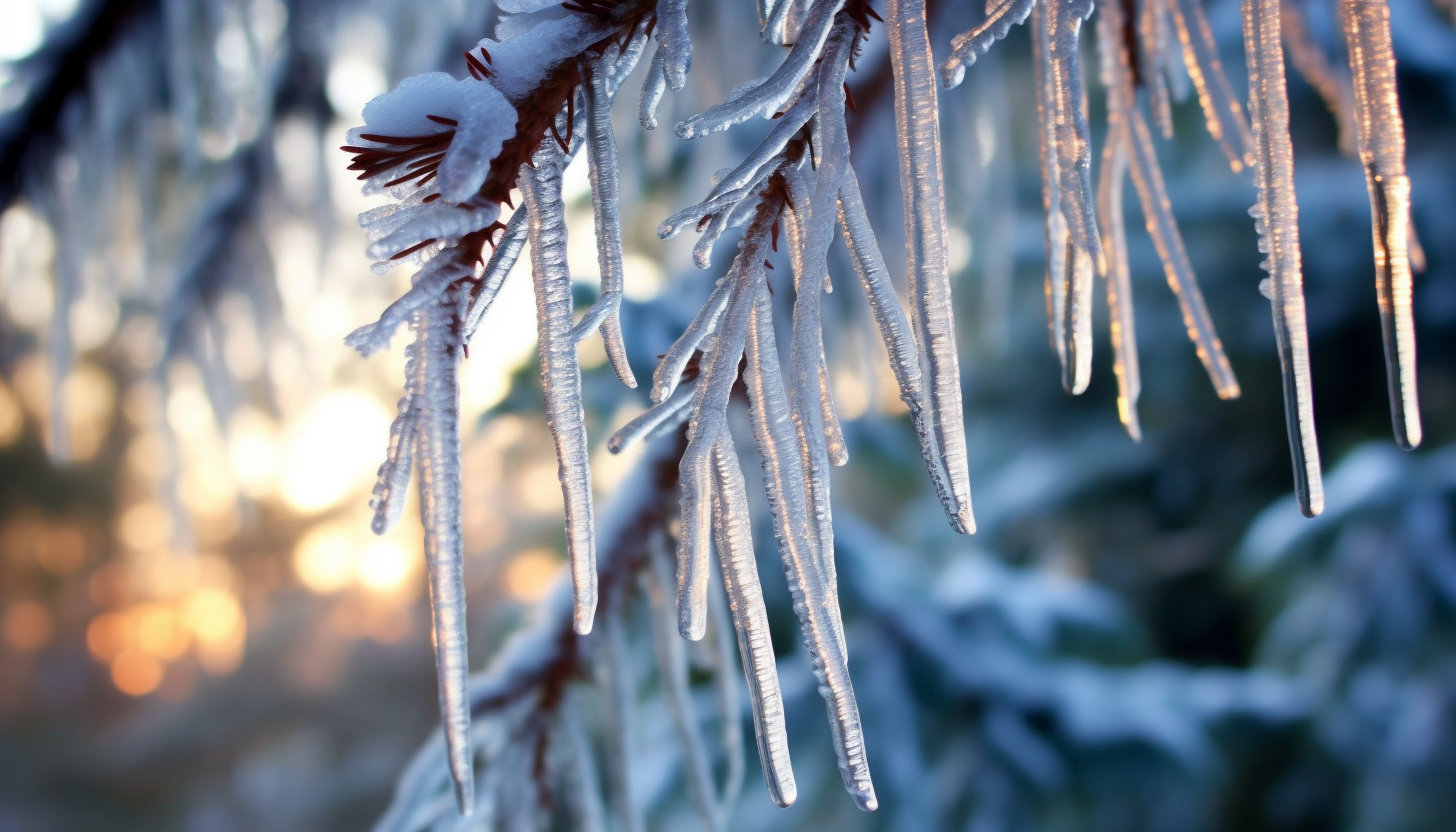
198	631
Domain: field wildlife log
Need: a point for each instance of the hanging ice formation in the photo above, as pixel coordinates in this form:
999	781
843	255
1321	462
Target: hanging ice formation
452	150
1140	42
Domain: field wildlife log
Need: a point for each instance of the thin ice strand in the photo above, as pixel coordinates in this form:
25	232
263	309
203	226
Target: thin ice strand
1158	212
1221	110
1119	283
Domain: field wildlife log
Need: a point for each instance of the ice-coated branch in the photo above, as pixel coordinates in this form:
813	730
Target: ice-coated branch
1276	218
560	371
770	96
923	187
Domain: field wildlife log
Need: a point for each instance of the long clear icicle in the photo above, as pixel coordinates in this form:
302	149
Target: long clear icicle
1119	282
1380	137
601	144
804	352
1073	165
672	674
1147	177
1276	218
560	372
437	362
1055	231
895	331
1121	102
917	125
739	568
784	477
1221	108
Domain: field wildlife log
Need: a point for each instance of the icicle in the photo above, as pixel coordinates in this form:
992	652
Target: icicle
654	422
437	359
869	265
1148	179
784	481
670	368
1121	103
672	674
497	268
394	473
560	373
968	46
1380	135
673	41
1276	217
833	143
619	696
805	349
1119	284
710	423
769	96
917	125
1055	240
725	684
1063	74
606	207
739	568
654	87
1221	109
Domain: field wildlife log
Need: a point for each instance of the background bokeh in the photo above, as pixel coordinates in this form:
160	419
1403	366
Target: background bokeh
199	631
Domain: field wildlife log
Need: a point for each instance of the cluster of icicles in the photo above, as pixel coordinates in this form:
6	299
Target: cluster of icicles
451	151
